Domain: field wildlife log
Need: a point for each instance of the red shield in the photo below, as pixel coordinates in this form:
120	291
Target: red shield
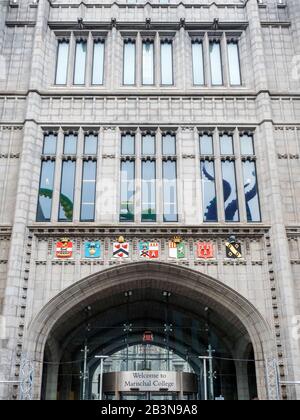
205	250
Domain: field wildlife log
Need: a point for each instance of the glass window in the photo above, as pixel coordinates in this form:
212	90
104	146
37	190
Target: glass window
50	141
206	145
98	63
247	145
66	198
170	191
80	62
148	191
234	64
198	65
45	191
88	192
230	192
62	62
210	212
148	63
216	63
169	145
127	191
128	145
251	192
129	63
226	144
70	144
166	63
148	145
90	144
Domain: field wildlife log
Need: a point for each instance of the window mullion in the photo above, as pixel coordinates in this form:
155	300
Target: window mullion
138	178
57	176
219	177
239	177
78	176
159	177
225	64
71	67
89	60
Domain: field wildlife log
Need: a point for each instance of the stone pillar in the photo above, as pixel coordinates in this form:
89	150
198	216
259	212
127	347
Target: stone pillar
242	381
52	380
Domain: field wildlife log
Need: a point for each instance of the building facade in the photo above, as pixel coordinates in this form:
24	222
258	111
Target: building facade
149	213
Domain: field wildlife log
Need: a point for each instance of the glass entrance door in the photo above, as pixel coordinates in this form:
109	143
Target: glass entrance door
149	396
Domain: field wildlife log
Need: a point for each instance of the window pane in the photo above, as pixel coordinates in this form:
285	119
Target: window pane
90	144
88	192
210	212
129	63
166	63
247	146
251	192
170	191
127	191
234	63
98	63
148	63
226	145
230	192
148	145
70	144
50	144
66	201
206	145
45	191
80	60
169	145
148	192
198	67
215	63
128	145
62	63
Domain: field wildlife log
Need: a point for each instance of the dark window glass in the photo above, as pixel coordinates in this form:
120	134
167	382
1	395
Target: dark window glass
50	141
90	144
226	145
209	198
148	191
46	191
70	144
62	62
234	64
216	63
251	192
127	191
148	145
198	65
88	192
148	63
98	63
66	201
230	192
169	145
206	145
170	191
128	145
247	145
80	63
166	63
129	63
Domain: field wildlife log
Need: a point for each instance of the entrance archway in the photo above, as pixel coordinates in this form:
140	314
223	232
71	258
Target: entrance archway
187	312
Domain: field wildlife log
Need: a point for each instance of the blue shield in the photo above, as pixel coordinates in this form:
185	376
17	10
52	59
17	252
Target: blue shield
92	249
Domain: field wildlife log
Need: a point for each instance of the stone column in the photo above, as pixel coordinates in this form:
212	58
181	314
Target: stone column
242	381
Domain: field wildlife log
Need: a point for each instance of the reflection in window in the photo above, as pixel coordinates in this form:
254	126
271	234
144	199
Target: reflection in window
247	145
88	191
210	212
128	145
98	62
62	62
230	192
46	191
129	63
216	63
80	62
90	144
148	62
148	191
234	63
198	65
50	141
127	191
206	145
148	145
66	198
170	191
70	144
251	192
166	63
226	144
169	145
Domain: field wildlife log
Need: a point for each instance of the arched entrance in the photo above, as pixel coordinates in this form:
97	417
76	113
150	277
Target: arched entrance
185	313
